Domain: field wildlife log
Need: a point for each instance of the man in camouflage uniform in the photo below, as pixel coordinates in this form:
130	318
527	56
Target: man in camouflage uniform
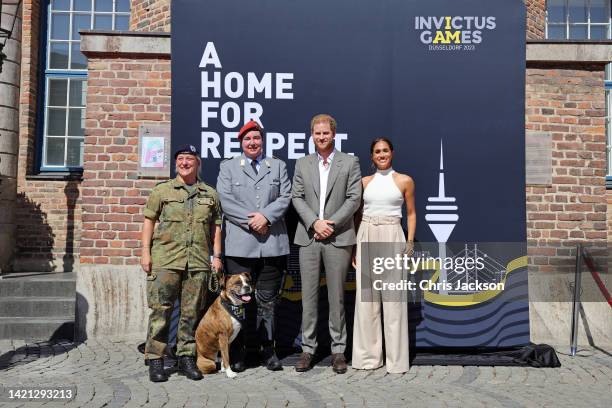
176	258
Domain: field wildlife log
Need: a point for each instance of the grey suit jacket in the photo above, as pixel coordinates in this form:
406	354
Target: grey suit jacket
241	192
343	197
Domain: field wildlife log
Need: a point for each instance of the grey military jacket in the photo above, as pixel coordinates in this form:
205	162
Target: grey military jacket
242	192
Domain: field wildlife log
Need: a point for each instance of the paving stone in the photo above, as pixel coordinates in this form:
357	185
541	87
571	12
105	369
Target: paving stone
111	373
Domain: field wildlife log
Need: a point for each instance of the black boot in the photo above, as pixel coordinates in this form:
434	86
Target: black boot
266	303
238	357
156	370
188	368
238	353
270	360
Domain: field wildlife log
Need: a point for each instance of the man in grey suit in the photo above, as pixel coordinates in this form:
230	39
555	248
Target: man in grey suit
255	192
326	194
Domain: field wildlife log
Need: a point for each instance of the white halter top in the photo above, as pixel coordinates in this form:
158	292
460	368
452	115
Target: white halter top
382	197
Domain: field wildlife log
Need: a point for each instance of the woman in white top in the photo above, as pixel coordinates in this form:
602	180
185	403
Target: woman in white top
384	193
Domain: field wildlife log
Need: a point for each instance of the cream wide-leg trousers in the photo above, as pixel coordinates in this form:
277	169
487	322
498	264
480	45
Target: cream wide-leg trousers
368	330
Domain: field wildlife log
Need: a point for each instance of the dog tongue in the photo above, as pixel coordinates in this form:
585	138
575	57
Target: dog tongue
246	298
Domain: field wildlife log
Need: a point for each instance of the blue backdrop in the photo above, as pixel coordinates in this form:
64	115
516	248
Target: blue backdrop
437	77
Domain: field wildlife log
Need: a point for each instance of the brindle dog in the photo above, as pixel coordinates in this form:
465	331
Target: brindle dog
221	324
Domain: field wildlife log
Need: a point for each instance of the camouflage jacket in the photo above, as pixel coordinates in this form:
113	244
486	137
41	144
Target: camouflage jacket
183	235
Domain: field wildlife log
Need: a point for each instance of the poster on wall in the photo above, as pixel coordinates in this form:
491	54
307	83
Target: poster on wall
154	150
443	79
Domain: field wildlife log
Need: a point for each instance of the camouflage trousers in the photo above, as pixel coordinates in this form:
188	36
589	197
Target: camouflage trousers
164	286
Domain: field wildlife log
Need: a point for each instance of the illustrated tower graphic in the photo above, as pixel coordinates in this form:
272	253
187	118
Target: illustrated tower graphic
441	216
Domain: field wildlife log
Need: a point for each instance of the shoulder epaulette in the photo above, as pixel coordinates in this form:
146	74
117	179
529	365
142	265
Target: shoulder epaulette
163	182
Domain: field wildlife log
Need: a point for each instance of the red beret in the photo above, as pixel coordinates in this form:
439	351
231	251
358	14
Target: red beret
251	125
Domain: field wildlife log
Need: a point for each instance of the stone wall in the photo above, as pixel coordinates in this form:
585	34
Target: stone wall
9	129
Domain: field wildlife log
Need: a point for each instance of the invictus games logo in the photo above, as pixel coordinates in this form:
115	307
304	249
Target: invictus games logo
453	33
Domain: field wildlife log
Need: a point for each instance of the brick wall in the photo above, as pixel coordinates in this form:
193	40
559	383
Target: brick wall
29	84
48	231
121	95
536	17
47	208
150	15
569	104
48	214
609	213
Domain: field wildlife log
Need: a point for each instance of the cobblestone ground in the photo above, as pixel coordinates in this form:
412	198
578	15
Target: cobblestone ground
108	373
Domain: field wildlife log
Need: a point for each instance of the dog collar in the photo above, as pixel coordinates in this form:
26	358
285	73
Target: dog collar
237	312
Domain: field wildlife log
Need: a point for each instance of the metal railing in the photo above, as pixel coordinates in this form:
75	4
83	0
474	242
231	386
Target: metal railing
583	257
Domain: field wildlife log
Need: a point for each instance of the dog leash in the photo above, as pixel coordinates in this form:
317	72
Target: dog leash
213	282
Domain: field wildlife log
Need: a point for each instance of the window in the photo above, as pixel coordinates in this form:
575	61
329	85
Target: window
65	78
577	19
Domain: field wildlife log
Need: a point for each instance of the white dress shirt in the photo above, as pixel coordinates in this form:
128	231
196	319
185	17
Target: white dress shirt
323	176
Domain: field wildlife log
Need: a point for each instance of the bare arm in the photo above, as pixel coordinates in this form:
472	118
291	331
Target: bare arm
215	232
147	234
410	208
359	214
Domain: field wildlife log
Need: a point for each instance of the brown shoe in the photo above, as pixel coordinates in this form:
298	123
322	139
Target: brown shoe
338	363
304	363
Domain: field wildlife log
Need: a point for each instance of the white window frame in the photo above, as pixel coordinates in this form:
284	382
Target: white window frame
69	74
587	23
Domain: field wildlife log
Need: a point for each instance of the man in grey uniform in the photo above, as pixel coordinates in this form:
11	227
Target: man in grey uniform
255	193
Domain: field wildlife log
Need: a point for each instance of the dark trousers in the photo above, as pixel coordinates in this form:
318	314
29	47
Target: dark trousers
266	276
